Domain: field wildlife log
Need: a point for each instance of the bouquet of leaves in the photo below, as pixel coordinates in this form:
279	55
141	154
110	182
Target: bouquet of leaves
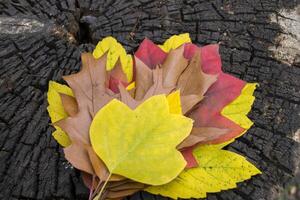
155	121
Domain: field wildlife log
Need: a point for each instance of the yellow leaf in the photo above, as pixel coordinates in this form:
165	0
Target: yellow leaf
56	110
238	109
174	102
114	52
61	137
175	41
130	86
218	170
132	142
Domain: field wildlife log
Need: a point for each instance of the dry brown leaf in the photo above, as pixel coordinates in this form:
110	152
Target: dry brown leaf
193	80
78	157
173	66
77	127
127	98
121	189
156	89
117	73
117	183
202	134
189	101
89	87
88	180
126	186
89	84
120	194
143	79
99	167
69	103
158	84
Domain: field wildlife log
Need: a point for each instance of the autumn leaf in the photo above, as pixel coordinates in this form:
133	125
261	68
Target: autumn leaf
61	137
162	131
114	189
174	102
122	189
193	80
173	67
89	87
143	79
124	185
156	88
175	41
171	80
116	76
78	157
150	54
202	135
121	193
238	109
115	52
211	62
56	110
69	104
218	170
222	92
208	112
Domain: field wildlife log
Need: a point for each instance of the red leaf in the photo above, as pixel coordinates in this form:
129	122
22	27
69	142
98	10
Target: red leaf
224	91
210	57
150	54
114	82
117	76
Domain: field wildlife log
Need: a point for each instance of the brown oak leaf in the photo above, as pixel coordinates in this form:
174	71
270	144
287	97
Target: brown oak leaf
91	93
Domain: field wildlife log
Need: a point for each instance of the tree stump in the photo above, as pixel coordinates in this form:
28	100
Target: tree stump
41	40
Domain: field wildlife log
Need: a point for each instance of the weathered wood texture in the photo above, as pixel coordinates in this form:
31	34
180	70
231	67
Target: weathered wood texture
41	40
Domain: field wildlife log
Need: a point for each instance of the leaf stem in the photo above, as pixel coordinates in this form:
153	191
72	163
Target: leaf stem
104	185
91	188
97	189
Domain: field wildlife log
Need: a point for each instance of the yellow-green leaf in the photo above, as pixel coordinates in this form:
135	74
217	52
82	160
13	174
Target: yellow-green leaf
175	41
114	52
56	110
218	170
238	109
132	142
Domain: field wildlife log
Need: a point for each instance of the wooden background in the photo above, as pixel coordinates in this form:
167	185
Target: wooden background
41	40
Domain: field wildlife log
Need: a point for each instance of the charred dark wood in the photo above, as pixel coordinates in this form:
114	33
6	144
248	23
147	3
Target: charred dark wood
41	40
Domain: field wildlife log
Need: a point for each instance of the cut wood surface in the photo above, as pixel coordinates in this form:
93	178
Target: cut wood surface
41	40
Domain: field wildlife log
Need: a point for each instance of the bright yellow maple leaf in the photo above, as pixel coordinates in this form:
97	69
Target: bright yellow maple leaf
174	102
175	41
114	52
218	170
56	110
132	142
238	109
